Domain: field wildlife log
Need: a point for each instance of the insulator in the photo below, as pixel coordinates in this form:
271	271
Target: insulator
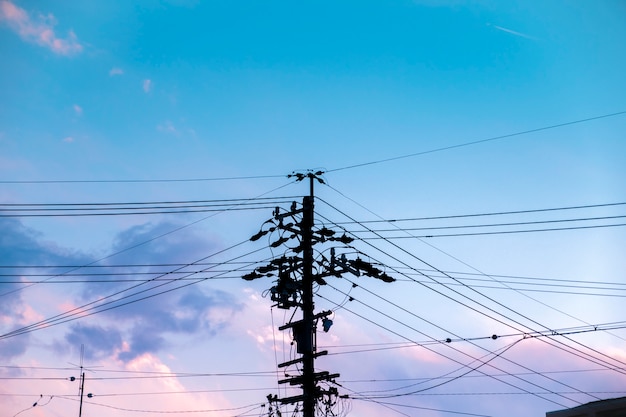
326	232
386	278
267	268
252	275
279	242
258	235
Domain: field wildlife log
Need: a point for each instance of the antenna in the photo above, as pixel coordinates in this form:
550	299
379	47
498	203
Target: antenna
81	387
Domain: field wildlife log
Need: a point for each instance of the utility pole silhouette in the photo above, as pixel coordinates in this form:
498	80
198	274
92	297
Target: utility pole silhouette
297	272
81	388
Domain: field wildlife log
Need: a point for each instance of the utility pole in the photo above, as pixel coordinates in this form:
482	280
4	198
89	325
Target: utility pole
82	390
308	365
297	274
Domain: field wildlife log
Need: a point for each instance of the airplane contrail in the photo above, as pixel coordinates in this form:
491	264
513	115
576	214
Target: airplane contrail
512	32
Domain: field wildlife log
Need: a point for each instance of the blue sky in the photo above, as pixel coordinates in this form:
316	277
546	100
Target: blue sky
152	101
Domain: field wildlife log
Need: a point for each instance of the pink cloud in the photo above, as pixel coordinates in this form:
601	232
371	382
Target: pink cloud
147	85
105	393
115	71
39	30
78	110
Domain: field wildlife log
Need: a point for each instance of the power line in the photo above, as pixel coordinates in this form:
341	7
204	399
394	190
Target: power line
136	212
502	232
373	347
96	306
570	349
145	203
448	341
463	276
517	277
156	374
90	266
128	378
248	408
479	376
267	374
497	213
468	226
254	177
474	359
177	229
507	136
137	208
239	271
384	403
473	268
119	280
523	286
509	393
134	394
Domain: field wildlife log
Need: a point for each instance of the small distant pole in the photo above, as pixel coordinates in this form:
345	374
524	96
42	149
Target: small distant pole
82	389
82	380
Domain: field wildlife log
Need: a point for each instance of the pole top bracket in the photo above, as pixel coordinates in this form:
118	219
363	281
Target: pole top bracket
309	174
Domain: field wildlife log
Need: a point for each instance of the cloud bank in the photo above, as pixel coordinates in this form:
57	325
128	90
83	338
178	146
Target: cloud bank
20	245
155	313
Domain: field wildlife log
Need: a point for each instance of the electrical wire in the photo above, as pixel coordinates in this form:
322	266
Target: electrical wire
379	394
137	213
248	408
478	376
159	393
141	181
35	404
553	342
502	232
490	276
474	359
476	142
177	229
373	347
533	290
568	331
385	403
126	378
150	265
471	226
539	281
524	282
414	329
143	204
142	374
509	325
460	216
96	306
